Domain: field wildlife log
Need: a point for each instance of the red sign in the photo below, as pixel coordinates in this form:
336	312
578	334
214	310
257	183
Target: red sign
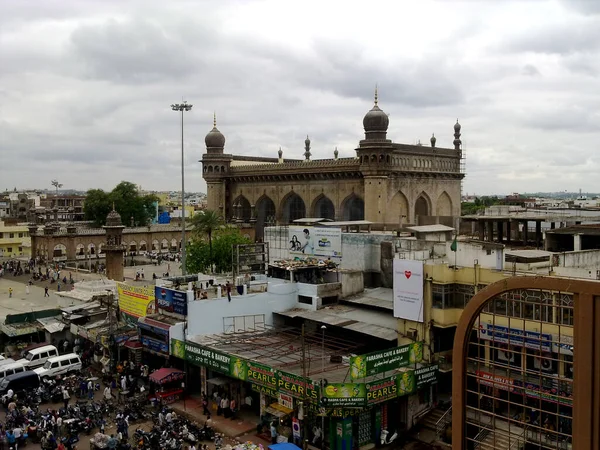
495	381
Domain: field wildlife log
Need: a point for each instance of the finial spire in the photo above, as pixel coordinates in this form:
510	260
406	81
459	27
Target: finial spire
215	119
376	96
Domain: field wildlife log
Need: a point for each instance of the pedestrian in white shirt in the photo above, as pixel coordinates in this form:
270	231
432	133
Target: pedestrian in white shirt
107	394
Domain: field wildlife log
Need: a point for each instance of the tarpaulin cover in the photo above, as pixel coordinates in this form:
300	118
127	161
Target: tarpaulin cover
165	375
284	446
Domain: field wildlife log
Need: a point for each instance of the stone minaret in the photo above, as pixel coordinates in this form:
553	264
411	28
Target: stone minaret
114	247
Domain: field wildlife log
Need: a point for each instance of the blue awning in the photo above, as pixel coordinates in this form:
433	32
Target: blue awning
284	446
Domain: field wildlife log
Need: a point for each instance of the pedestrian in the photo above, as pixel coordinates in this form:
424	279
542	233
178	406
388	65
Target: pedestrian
228	287
65	344
107	393
273	433
112	442
10	290
46	292
27	289
59	423
90	388
66	397
205	410
232	406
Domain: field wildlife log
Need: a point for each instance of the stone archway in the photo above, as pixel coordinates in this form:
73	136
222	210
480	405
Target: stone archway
242	210
422	207
143	246
323	208
164	245
353	208
292	208
265	215
59	251
397	210
444	205
155	245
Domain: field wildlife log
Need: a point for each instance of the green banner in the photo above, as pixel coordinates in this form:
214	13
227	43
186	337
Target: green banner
406	383
363	366
344	394
426	375
201	356
381	390
296	386
264	390
261	374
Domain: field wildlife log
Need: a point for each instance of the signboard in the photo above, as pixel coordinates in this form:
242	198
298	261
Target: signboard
135	301
253	372
381	390
315	241
426	375
516	336
495	381
408	289
264	390
363	366
171	300
285	400
296	386
344	394
202	356
155	345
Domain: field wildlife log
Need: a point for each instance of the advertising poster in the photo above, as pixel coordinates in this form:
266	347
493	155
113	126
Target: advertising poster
406	383
171	300
315	241
408	289
135	301
516	336
381	390
363	366
260	374
344	394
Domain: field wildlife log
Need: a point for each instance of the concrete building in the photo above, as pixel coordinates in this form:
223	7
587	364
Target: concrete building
387	184
14	240
525	372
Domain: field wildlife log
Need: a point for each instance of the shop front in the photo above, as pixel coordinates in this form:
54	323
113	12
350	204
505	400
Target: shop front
304	410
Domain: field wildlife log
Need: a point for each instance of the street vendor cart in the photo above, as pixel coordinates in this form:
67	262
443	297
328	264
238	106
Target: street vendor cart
166	385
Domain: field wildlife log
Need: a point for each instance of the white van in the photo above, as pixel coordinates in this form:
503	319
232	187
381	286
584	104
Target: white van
10	369
59	365
37	357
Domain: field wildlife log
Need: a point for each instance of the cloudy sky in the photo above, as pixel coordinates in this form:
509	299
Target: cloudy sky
85	86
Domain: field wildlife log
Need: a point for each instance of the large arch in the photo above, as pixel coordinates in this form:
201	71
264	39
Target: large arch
155	245
242	210
59	251
323	208
265	215
397	210
586	371
353	208
143	246
292	208
444	205
422	206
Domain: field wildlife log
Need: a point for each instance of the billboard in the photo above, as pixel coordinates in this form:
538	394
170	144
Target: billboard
516	336
363	366
135	301
315	241
171	300
344	394
408	289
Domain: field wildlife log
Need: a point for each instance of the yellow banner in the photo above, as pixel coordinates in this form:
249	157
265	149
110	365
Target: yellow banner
136	301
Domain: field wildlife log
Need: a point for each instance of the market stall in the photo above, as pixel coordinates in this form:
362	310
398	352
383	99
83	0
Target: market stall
166	384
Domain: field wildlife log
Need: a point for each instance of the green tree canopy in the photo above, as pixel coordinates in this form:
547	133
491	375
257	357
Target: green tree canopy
127	201
198	250
206	223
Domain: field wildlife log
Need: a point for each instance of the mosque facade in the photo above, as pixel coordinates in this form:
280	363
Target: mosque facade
389	184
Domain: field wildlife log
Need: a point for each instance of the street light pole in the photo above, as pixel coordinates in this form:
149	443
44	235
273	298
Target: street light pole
323	328
182	107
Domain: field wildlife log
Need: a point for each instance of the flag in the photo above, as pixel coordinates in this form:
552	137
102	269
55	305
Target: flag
454	244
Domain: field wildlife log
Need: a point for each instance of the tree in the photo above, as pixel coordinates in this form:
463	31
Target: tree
97	205
207	222
200	257
127	201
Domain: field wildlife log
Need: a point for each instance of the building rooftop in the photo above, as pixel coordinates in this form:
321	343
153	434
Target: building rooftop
435	228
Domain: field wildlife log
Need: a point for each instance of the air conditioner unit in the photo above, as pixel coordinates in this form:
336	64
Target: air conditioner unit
412	334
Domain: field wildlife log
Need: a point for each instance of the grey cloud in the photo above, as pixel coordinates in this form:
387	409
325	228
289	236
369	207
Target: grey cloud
587	7
562	39
530	70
